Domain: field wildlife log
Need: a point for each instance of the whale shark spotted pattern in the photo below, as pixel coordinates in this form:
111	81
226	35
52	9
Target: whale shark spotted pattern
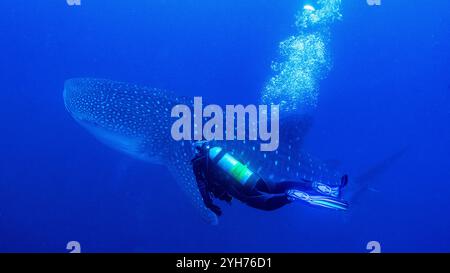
137	119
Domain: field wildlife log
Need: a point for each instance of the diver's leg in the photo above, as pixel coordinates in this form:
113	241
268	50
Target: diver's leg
268	202
303	185
283	186
289	191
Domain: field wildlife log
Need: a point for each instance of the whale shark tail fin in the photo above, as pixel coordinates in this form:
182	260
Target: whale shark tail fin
364	182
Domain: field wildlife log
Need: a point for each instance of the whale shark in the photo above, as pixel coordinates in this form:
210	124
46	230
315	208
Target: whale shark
136	120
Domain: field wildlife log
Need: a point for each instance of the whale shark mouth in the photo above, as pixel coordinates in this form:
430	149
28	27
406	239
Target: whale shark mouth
135	120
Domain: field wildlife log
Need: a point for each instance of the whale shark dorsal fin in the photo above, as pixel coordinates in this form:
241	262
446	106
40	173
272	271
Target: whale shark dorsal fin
293	130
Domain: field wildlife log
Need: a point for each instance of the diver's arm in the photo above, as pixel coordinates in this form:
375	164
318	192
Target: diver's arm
202	186
227	198
207	197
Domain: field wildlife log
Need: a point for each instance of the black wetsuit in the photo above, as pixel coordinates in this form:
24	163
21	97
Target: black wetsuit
214	182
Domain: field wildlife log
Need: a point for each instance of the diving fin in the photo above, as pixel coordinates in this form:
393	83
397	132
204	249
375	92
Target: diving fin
336	191
320	201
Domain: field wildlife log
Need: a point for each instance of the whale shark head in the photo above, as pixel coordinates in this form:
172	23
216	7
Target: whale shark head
88	107
123	116
135	120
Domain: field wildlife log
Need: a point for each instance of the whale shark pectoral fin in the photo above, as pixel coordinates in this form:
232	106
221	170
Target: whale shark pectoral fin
185	178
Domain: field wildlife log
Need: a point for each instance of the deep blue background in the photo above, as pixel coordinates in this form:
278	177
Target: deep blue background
389	89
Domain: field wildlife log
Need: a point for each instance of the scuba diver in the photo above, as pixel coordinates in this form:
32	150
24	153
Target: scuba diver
222	176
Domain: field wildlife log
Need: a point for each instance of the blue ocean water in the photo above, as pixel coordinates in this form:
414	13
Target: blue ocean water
388	90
